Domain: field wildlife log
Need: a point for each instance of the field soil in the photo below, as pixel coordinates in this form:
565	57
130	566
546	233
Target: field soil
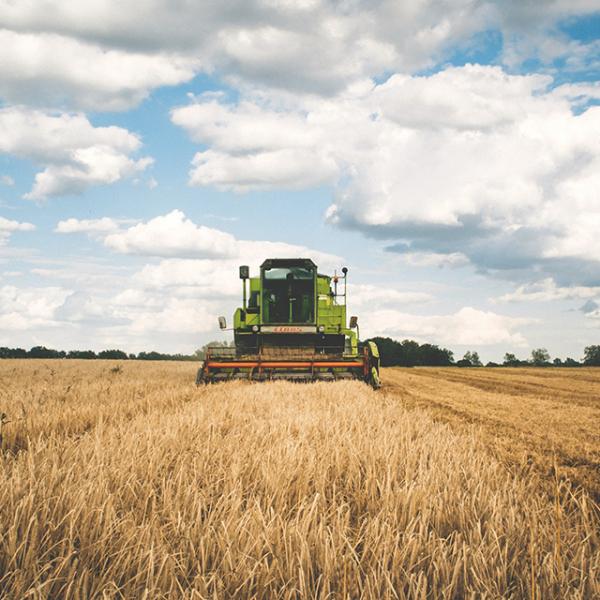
124	480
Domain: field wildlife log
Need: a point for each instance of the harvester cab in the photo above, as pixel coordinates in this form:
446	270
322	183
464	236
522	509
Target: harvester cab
292	325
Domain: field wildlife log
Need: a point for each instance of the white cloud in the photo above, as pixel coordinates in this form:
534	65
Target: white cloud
7	180
205	278
469	98
445	163
219	276
46	136
75	154
578	92
281	169
143	312
82	271
72	225
254	252
105	55
468	326
247	148
172	235
8	226
250	152
367	296
532	34
546	290
177	315
245	127
434	259
139	313
29	308
591	310
48	69
83	307
468	164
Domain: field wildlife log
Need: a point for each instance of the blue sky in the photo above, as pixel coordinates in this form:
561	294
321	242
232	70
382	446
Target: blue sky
447	153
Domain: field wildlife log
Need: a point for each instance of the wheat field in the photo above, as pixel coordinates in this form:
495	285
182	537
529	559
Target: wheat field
124	480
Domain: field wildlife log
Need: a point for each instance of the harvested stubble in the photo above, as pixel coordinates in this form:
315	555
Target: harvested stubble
541	418
150	487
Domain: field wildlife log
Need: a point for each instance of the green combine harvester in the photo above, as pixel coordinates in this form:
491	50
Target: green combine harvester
292	325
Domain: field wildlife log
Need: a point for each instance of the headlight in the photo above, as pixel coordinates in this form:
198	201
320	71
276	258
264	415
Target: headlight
255	328
321	328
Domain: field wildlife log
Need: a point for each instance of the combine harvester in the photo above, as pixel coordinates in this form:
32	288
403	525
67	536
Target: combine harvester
292	325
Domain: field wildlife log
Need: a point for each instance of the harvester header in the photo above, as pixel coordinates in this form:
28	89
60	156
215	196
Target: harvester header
292	325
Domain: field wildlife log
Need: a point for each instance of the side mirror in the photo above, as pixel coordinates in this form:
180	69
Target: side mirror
244	272
222	323
353	322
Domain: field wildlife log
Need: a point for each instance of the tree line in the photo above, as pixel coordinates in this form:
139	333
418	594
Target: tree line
43	352
409	353
406	353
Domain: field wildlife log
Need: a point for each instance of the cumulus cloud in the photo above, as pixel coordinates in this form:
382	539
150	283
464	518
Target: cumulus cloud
247	149
468	326
205	278
140	312
471	170
49	69
367	296
31	307
108	55
112	312
74	153
72	225
219	276
7	180
175	236
245	127
102	54
281	169
470	164
430	259
591	310
177	315
547	290
533	34
8	226
172	235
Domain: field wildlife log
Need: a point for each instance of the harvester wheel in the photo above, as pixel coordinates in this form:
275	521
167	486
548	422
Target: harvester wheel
374	380
373	354
200	376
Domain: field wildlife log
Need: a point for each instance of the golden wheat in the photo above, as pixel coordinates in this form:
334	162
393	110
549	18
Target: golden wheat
127	481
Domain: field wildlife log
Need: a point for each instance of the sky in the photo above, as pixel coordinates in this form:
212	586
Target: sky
446	151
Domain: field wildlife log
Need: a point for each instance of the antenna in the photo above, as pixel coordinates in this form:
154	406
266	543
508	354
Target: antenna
244	274
335	282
